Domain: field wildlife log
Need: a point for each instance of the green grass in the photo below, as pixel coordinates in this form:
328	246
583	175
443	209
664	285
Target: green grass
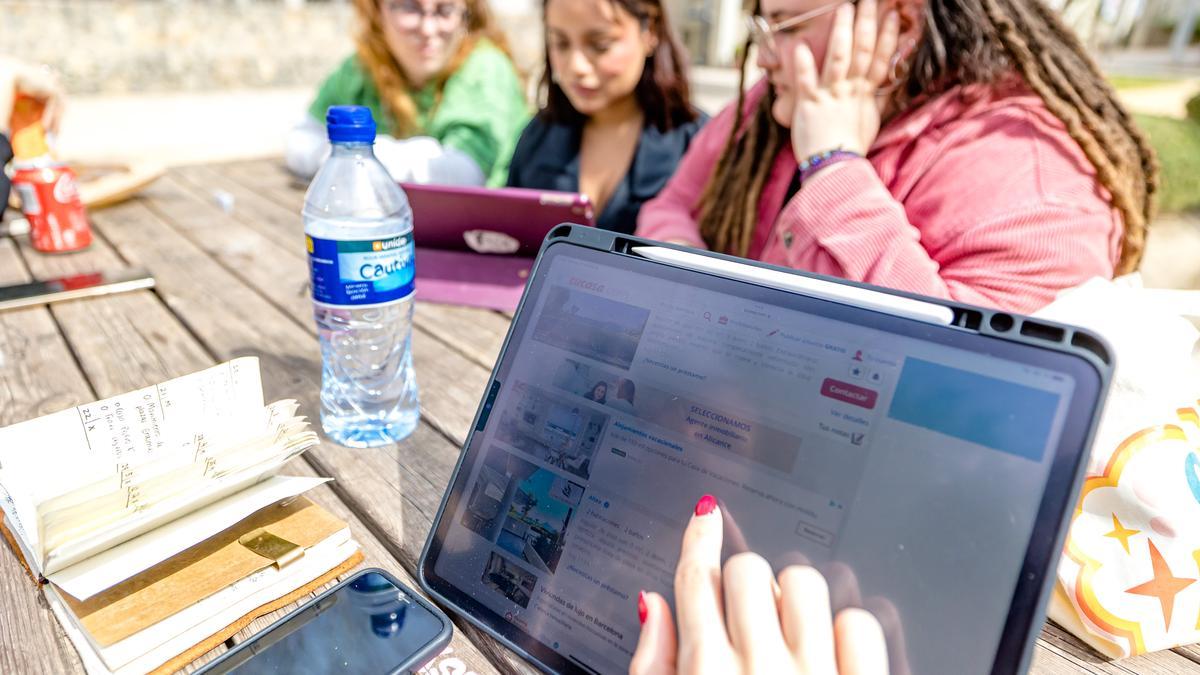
1178	145
1140	82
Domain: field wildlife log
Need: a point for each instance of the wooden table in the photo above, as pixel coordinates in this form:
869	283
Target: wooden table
224	245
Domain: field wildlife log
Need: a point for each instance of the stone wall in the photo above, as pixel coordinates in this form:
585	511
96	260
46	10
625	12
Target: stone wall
120	46
127	46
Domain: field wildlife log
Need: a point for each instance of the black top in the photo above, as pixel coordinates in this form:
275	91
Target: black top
547	158
6	154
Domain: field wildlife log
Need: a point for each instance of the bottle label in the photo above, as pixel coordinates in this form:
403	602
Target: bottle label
361	272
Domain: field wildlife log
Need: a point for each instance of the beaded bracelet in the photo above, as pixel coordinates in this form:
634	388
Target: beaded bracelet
822	159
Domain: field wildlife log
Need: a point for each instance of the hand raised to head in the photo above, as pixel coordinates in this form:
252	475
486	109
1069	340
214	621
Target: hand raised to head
836	105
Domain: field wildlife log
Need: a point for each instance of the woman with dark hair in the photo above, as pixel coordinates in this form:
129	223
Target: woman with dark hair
616	119
965	149
599	392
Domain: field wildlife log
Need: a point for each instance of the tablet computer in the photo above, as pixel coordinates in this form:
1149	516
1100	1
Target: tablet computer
925	455
491	221
475	245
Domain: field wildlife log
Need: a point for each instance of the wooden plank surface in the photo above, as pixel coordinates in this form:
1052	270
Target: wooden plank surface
231	318
268	201
234	282
127	341
249	247
264	184
265	193
39	376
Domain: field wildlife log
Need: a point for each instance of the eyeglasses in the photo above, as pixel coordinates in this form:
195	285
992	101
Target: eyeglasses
763	33
446	16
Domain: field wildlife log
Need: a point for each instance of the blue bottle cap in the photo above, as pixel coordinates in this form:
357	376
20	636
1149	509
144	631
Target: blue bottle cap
350	124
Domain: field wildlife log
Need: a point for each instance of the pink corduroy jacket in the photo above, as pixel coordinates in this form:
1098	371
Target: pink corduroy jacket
979	195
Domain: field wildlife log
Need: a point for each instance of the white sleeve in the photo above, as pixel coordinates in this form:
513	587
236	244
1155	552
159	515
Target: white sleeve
307	147
422	159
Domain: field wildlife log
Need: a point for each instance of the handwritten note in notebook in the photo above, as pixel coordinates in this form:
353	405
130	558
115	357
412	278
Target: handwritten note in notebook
68	476
109	501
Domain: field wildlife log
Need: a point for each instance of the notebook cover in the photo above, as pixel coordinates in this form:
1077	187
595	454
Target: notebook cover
16	549
196	573
219	638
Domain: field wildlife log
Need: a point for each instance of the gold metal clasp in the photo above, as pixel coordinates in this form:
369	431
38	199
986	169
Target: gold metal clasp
272	547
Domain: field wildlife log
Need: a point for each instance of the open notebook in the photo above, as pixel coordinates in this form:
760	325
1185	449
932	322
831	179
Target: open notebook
156	521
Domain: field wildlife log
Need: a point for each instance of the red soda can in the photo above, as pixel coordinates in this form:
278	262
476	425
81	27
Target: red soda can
49	195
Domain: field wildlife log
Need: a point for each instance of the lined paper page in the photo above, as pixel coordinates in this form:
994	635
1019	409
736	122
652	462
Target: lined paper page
114	445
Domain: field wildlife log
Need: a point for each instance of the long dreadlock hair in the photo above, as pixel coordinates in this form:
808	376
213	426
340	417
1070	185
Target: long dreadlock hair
963	42
395	90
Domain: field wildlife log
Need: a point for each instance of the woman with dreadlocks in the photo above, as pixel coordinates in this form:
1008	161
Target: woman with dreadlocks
438	79
967	149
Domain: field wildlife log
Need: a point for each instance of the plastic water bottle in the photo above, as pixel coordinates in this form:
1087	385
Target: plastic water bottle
358	228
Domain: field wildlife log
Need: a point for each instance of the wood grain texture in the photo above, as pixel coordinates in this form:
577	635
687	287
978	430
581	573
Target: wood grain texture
425	474
1060	652
267	177
232	319
113	362
108	336
103	341
451	385
37	376
1191	653
477	333
236	284
124	341
271	200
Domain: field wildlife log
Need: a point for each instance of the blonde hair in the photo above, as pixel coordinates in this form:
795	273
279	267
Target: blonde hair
395	90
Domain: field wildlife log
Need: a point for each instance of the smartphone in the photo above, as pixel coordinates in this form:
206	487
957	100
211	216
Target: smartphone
72	287
370	623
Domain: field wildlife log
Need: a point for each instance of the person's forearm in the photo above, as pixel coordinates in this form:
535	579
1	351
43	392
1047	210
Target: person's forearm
668	218
307	147
8	92
419	160
36	81
454	167
844	222
671	215
423	159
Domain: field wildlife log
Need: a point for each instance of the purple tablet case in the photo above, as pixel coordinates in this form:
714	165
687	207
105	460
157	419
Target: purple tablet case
475	245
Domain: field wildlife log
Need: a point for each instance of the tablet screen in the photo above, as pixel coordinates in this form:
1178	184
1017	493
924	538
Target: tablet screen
908	462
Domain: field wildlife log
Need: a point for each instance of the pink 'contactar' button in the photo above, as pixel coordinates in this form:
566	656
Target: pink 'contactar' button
844	391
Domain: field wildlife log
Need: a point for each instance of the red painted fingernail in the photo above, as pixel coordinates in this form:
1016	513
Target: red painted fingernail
643	610
706	505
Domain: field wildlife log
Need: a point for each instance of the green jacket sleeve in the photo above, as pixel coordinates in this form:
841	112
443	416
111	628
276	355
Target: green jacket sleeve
483	111
349	84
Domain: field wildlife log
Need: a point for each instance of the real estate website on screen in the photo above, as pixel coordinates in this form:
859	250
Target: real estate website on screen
910	472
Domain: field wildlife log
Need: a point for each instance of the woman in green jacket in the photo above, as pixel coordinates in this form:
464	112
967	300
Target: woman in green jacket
437	76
